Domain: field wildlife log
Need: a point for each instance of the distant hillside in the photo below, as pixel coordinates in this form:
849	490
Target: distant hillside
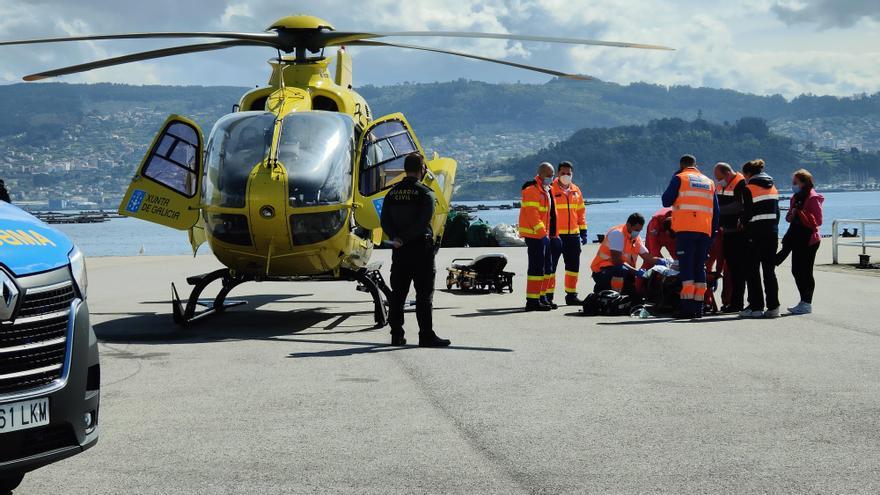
90	138
475	107
632	160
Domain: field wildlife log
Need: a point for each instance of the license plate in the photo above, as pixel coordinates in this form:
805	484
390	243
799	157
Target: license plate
23	415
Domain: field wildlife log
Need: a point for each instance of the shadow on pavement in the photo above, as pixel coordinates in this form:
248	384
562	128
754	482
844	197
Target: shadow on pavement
492	312
370	348
240	323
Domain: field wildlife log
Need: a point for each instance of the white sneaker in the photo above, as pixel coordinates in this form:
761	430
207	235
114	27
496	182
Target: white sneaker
750	313
771	313
802	308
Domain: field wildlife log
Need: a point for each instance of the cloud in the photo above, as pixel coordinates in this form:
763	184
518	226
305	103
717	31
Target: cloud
827	13
760	46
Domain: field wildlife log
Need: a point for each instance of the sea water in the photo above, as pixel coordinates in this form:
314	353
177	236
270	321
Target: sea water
131	237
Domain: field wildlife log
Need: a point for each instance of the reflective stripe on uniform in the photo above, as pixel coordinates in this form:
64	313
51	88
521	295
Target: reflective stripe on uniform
766	216
765	197
704	209
696	194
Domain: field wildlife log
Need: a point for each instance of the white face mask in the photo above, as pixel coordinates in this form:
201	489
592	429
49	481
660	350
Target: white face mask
565	179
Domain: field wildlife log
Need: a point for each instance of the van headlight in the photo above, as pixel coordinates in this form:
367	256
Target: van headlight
78	269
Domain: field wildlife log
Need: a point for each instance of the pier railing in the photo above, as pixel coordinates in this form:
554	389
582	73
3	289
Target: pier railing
859	241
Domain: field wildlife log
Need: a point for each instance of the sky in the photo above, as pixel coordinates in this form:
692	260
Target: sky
786	47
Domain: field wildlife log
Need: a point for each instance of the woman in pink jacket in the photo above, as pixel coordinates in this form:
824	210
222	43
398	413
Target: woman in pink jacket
802	239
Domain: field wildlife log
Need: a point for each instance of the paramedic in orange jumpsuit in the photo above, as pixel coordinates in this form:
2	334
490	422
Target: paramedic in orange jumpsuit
571	227
537	224
660	234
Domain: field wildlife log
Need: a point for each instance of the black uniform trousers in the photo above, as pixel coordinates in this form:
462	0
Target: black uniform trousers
734	246
412	263
762	259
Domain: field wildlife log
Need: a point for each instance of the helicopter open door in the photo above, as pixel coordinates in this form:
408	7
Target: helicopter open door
383	147
165	189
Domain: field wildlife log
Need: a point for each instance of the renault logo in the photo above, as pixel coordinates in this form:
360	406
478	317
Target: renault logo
8	296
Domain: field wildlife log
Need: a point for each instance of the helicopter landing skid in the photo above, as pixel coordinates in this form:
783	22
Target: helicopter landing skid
370	280
185	315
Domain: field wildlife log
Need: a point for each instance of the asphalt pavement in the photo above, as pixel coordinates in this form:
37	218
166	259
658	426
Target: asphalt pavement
296	393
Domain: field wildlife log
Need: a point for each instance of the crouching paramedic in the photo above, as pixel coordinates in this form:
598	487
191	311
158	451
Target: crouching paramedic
660	234
537	224
695	219
571	227
614	266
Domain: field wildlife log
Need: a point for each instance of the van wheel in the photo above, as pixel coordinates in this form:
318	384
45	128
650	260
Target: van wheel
9	482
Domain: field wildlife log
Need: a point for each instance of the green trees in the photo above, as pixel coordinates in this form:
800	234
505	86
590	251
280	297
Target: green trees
633	160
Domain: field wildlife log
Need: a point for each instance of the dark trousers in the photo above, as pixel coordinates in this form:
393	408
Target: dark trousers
567	247
540	268
692	249
803	257
734	247
615	278
761	258
412	263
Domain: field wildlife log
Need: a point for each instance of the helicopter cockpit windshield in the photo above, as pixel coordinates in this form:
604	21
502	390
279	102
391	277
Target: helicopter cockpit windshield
316	150
238	143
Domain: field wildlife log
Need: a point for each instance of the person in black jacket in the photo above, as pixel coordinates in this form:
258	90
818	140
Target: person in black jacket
761	221
4	194
730	189
407	211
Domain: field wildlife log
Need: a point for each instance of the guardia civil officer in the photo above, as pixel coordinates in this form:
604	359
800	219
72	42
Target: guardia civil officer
407	212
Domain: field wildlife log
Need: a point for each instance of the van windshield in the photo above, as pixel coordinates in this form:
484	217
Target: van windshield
316	150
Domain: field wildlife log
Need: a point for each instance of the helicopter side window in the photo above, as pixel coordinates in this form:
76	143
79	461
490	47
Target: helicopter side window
385	149
238	143
173	161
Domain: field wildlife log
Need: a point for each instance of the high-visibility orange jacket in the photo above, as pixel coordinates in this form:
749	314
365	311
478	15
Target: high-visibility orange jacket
629	255
571	216
534	211
693	209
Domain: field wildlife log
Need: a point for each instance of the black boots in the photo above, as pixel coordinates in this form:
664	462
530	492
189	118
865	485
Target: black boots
535	305
426	339
548	300
430	339
571	299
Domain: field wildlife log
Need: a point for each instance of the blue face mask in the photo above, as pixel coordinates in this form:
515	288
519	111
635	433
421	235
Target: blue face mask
795	188
546	181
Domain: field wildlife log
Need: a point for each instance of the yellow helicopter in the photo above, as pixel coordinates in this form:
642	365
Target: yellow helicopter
288	186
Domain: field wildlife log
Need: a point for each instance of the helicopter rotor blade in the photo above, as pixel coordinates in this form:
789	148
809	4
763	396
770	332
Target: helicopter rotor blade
148	55
340	38
475	57
269	37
